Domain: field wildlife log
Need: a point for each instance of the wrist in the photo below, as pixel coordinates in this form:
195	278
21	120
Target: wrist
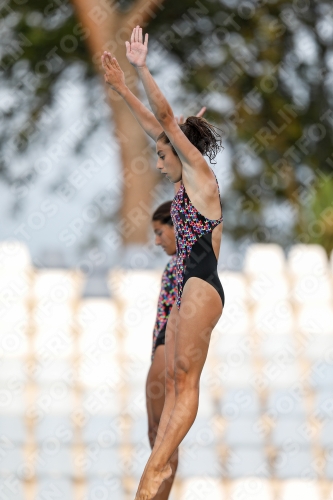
140	68
122	90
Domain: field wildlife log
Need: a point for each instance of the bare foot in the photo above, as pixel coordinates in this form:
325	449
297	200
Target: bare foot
151	482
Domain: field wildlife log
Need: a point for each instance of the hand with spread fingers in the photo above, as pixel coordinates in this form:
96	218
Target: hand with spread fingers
137	49
114	75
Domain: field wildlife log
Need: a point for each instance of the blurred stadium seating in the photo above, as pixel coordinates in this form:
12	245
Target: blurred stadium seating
72	376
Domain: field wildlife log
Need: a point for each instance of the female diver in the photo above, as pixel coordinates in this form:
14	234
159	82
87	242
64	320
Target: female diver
197	215
155	386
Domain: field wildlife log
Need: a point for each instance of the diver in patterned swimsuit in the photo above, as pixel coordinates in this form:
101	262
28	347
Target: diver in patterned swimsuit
155	386
166	300
197	216
195	253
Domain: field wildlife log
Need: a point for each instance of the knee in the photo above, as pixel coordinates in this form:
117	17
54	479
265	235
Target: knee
183	377
169	382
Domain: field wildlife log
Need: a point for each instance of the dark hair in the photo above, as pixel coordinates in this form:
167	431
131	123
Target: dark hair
201	134
162	213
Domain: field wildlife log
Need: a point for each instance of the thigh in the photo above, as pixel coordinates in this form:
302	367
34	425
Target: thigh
200	309
161	370
155	386
170	339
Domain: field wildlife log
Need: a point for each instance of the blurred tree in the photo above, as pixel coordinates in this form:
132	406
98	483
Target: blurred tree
263	68
41	42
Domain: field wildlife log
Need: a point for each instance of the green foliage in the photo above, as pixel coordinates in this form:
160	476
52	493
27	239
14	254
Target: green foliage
318	210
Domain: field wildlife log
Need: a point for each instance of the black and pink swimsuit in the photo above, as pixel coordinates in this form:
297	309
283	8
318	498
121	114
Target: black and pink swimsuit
195	254
166	300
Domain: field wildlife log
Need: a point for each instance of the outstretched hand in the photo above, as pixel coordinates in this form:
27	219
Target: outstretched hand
114	75
136	49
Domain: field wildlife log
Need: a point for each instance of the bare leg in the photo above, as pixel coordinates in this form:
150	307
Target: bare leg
200	310
155	397
169	376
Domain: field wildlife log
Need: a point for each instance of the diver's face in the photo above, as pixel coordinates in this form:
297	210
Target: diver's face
165	237
168	163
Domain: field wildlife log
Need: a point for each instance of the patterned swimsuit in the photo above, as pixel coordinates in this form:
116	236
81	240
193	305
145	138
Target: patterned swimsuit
166	300
195	254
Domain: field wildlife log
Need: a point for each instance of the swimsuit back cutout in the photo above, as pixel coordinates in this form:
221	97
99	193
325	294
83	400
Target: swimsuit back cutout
166	299
195	254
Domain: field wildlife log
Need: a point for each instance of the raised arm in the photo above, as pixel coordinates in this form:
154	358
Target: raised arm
195	167
115	77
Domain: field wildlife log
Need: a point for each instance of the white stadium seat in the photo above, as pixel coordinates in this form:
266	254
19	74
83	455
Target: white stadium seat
98	369
55	487
106	489
290	430
59	285
298	488
202	488
102	400
12	459
140	287
101	462
51	370
100	429
60	429
52	315
14	373
92	343
73	370
240	403
312	289
14	255
245	431
251	488
274	318
55	461
271	288
276	342
263	258
286	404
13	428
307	259
15	317
315	319
202	433
54	341
235	286
235	319
138	342
246	461
14	341
97	315
15	286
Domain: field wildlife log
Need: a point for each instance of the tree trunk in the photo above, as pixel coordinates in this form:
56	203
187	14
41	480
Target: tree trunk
108	30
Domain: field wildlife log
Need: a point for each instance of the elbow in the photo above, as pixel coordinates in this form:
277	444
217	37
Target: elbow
163	113
165	117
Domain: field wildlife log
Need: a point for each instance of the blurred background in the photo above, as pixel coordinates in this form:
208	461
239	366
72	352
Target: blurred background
80	275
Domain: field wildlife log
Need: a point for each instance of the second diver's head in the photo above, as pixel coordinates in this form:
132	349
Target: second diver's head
163	228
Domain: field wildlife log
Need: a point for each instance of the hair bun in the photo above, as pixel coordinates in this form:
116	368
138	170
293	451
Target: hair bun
203	136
